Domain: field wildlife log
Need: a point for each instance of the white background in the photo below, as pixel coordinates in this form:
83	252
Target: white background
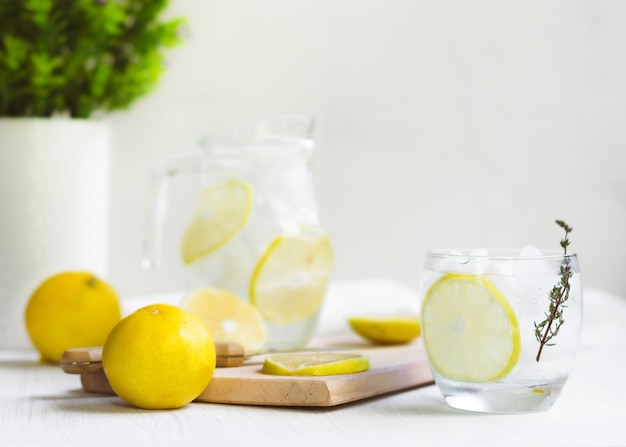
439	124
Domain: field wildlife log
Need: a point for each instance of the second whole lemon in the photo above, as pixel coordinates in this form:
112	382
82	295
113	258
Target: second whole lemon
159	357
68	310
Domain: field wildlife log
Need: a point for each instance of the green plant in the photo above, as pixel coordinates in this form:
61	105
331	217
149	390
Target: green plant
77	57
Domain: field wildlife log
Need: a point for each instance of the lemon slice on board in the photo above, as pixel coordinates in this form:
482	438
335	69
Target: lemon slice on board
228	318
222	210
290	280
469	329
315	364
386	329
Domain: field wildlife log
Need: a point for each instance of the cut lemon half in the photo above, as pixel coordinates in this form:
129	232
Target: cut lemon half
289	282
469	329
386	329
222	211
315	364
228	318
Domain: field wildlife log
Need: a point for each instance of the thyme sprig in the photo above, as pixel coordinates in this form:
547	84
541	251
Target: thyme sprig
549	328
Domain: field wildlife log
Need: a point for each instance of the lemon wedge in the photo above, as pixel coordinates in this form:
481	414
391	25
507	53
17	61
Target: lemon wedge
289	282
228	318
315	364
386	329
222	210
470	331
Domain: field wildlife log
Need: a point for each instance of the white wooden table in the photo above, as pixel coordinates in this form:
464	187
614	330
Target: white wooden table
40	405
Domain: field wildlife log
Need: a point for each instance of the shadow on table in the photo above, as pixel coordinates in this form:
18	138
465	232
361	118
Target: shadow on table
80	401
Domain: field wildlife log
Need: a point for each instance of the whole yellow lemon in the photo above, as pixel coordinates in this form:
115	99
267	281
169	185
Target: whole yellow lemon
159	357
70	310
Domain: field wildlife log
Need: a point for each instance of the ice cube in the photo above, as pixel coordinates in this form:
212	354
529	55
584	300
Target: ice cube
530	250
535	267
478	264
455	261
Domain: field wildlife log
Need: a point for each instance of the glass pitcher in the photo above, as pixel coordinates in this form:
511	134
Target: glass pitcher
255	231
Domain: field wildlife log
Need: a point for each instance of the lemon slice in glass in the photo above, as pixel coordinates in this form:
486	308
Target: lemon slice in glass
469	329
228	318
315	364
289	282
222	211
386	329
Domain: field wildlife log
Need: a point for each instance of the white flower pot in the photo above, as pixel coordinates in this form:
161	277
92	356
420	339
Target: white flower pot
53	209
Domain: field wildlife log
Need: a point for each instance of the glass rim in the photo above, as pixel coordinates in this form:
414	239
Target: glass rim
505	254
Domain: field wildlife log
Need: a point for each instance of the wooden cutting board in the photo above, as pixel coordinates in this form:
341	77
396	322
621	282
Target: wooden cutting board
392	368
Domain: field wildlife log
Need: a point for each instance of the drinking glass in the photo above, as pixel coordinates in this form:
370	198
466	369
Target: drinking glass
493	308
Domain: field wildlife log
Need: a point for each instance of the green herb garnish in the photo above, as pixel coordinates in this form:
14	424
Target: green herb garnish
549	328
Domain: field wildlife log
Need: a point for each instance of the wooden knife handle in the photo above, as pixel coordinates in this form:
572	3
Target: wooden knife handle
228	354
89	360
82	360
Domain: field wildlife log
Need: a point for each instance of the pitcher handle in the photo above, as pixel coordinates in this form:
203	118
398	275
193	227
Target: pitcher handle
157	204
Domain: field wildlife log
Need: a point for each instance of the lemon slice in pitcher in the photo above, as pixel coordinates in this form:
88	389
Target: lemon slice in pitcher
228	318
290	280
222	211
470	331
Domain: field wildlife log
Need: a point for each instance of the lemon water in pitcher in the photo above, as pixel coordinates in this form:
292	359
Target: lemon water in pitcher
255	231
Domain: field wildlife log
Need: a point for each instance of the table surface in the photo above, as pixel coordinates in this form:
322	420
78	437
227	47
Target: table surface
41	405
